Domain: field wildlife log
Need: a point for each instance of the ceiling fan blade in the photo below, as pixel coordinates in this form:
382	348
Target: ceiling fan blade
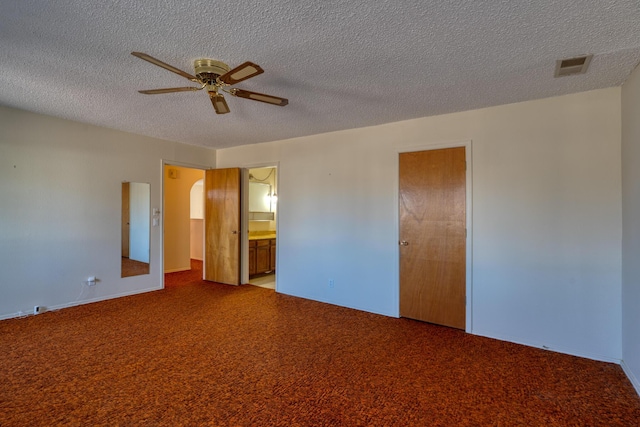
241	72
269	99
164	65
170	90
219	103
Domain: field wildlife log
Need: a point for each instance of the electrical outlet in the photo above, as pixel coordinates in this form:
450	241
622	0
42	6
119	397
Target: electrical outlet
331	283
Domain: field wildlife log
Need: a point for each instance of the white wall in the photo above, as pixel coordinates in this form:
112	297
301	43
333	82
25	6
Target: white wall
60	208
546	217
631	228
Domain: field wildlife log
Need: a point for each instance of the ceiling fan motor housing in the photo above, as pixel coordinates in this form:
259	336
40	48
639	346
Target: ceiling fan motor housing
208	70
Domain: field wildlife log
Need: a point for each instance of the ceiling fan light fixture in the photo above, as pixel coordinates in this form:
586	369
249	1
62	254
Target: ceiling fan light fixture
215	76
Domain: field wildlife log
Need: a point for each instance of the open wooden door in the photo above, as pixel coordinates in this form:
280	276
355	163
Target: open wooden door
433	236
222	226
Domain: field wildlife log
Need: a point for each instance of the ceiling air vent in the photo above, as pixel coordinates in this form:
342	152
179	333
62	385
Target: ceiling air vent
567	67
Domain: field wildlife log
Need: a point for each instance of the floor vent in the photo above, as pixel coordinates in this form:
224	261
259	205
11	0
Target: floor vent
567	67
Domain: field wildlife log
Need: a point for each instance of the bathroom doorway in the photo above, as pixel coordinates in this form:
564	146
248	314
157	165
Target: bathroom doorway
262	202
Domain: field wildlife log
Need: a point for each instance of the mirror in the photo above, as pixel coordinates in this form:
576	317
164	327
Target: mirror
260	200
259	197
136	202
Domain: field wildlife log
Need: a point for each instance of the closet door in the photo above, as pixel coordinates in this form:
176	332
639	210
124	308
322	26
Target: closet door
433	236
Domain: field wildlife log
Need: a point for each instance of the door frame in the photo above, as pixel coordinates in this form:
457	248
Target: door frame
467	144
162	182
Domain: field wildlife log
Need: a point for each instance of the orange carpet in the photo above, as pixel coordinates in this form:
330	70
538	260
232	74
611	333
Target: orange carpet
131	267
204	354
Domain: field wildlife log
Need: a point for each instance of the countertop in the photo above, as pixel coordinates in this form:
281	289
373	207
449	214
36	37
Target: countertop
262	236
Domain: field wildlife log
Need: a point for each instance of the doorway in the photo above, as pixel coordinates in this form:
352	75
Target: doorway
180	183
182	218
261	226
433	217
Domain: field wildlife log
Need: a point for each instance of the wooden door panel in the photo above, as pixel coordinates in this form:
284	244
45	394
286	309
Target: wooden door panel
433	225
222	226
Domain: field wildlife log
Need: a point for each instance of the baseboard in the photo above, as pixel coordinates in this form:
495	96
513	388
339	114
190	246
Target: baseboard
76	303
570	352
176	270
15	315
631	376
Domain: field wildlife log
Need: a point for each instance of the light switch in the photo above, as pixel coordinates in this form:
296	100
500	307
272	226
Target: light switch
156	222
156	211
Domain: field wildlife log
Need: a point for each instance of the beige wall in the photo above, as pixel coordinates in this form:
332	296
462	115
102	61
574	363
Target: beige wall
197	239
197	220
60	208
546	217
177	218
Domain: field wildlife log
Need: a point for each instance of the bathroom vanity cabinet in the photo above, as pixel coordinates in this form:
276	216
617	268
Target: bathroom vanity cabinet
262	256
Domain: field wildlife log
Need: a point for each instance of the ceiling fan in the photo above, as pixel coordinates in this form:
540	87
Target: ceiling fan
215	77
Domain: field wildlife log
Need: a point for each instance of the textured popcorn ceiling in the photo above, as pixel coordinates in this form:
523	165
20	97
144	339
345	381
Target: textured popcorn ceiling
341	64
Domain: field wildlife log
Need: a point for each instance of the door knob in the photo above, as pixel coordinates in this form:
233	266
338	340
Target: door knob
404	243
234	232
